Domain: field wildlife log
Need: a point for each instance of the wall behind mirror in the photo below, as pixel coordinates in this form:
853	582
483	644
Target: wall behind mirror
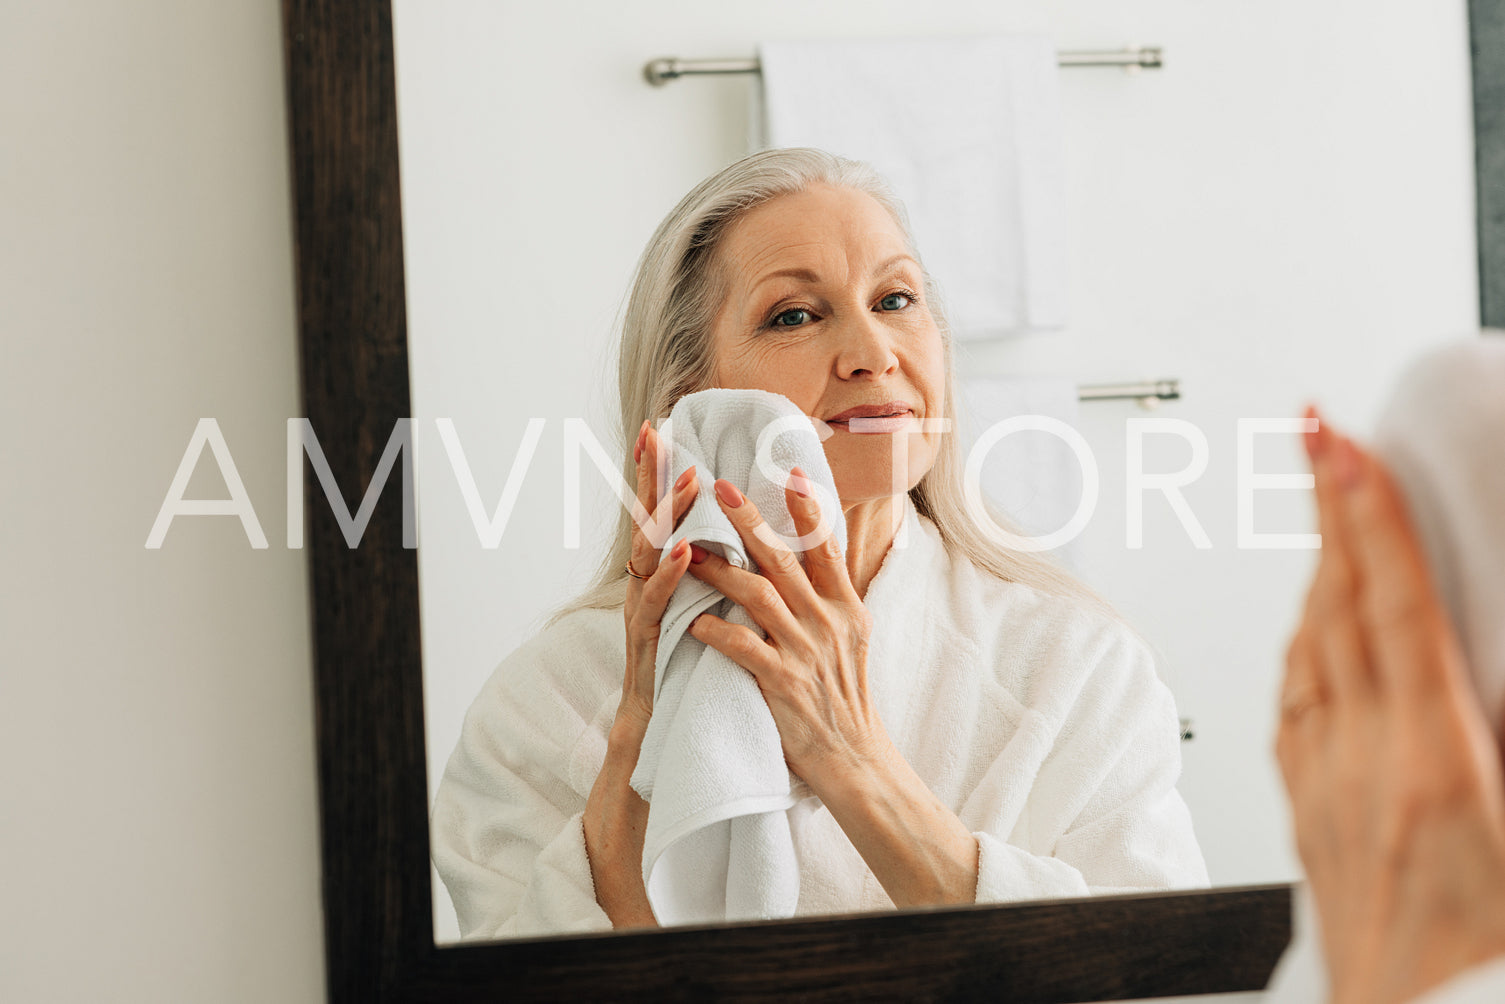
1284	212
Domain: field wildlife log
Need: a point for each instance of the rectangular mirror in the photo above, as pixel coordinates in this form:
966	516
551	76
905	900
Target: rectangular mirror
1234	224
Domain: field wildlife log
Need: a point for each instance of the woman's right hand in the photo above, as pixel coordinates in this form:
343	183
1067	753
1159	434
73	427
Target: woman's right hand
615	816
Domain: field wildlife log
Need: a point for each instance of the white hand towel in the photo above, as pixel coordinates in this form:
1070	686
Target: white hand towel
1034	476
718	845
968	133
1441	434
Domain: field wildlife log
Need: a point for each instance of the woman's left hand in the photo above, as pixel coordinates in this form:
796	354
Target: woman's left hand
1393	773
812	667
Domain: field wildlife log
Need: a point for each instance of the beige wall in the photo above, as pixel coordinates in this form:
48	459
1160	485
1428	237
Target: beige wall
158	836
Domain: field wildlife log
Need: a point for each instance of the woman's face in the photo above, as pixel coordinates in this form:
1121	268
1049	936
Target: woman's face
825	306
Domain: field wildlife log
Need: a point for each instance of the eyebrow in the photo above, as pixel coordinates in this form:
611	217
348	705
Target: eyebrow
807	275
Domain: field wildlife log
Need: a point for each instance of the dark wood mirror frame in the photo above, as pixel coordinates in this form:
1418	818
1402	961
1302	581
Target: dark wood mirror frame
369	687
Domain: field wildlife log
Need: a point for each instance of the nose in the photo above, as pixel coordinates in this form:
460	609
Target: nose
865	348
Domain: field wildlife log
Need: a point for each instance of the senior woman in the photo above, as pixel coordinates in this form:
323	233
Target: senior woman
974	725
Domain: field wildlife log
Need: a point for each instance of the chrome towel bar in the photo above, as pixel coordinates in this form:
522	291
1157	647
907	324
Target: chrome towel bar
660	71
1148	393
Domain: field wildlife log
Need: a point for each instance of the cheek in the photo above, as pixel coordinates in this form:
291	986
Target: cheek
786	368
928	371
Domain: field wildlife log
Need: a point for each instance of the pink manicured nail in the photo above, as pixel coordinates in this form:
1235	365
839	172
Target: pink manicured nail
727	492
1313	440
678	550
697	554
799	483
684	479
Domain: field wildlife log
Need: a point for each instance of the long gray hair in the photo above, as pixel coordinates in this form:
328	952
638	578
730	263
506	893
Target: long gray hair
666	353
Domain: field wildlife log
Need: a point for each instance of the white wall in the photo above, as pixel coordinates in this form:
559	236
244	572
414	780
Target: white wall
158	840
1284	212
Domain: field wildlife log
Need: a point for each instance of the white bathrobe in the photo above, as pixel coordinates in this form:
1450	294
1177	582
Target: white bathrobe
1039	721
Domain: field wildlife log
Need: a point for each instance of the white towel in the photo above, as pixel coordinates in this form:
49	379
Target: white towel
1033	476
1441	434
718	845
968	133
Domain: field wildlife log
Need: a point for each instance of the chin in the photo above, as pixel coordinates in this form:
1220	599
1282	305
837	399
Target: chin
867	488
862	476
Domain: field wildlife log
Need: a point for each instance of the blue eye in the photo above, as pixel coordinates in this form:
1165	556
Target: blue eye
895	301
791	318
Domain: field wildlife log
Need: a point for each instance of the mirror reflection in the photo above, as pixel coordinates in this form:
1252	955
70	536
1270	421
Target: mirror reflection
918	711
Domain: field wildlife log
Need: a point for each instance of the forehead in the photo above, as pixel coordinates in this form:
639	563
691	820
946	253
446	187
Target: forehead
822	225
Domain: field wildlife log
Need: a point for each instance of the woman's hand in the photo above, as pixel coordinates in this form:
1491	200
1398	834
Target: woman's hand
812	671
648	597
1393	773
615	816
812	668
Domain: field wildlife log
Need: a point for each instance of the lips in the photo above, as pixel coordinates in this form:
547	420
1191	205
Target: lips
890	418
886	410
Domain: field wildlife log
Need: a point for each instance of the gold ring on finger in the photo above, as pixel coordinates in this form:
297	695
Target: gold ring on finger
632	572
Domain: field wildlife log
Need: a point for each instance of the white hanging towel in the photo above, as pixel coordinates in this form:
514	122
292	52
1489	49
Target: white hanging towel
968	133
718	845
1034	476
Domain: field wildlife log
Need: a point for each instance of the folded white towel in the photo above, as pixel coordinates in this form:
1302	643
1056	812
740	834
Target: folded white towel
718	845
968	133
